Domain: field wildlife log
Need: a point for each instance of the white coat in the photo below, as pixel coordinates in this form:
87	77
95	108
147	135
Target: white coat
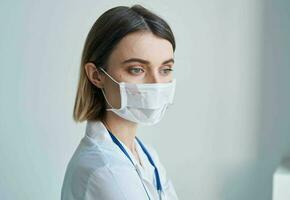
99	170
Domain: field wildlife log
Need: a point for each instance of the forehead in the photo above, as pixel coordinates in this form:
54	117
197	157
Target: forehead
142	44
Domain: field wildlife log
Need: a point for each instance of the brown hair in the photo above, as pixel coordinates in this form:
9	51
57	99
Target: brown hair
107	31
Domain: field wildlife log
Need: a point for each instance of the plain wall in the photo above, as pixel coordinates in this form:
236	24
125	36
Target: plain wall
221	140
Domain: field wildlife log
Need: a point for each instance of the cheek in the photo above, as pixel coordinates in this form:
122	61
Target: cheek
112	89
120	74
166	80
112	92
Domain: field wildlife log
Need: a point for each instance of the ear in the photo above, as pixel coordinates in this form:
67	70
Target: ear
94	75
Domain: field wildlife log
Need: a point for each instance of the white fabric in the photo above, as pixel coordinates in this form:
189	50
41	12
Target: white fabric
99	170
144	104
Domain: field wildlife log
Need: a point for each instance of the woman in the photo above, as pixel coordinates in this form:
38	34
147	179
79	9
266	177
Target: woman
126	79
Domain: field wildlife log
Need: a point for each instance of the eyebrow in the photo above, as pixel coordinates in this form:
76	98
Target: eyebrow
145	61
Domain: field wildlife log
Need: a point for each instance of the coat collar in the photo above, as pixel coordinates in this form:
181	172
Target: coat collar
97	133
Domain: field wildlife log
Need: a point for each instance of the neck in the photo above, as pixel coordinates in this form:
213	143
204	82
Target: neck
122	129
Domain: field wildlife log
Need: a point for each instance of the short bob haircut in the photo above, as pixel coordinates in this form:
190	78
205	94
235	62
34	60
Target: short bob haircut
107	31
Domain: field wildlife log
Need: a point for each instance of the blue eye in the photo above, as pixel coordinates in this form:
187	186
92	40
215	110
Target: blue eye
136	70
166	71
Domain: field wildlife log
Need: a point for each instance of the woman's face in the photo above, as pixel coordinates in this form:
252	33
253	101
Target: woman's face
140	57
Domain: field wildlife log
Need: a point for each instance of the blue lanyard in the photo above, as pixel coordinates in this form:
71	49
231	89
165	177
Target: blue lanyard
117	142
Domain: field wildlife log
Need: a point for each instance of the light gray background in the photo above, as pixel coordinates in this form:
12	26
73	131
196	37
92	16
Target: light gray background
221	140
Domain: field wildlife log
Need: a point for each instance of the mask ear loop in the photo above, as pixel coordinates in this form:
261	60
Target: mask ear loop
108	109
109	76
112	108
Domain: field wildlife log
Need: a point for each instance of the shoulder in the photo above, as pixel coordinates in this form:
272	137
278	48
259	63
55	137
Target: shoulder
87	158
102	184
91	184
87	162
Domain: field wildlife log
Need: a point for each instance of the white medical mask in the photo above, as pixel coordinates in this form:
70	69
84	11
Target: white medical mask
143	103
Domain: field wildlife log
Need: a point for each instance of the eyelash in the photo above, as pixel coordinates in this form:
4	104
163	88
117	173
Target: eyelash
134	68
139	68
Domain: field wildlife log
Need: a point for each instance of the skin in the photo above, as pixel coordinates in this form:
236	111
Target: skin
143	45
